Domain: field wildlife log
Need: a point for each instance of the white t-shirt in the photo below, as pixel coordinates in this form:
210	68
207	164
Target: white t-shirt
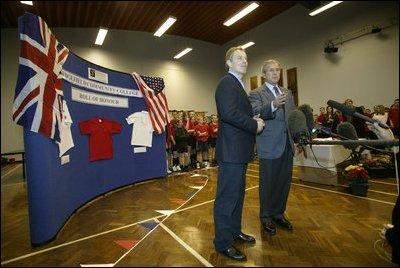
142	132
66	141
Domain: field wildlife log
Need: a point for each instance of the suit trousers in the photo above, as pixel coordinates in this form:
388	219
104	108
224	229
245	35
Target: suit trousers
275	179
228	203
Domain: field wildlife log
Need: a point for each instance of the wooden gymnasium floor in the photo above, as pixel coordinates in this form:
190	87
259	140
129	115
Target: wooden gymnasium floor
169	222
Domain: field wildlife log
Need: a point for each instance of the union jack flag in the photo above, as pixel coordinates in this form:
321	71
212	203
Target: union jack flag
152	89
38	93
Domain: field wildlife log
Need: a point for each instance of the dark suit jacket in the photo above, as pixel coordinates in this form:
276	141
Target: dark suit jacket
237	128
393	234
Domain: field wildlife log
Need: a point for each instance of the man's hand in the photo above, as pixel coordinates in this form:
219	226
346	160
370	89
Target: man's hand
260	124
279	100
382	232
383	134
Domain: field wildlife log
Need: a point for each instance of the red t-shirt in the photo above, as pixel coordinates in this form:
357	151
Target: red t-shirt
100	132
320	118
201	128
170	134
212	128
394	116
190	127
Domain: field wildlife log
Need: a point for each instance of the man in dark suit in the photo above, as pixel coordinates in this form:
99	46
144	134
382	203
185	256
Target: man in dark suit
234	149
275	147
390	233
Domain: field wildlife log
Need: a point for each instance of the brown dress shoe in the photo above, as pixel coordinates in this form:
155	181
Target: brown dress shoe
284	223
269	227
234	254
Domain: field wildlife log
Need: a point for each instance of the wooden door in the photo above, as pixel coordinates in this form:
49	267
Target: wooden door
292	83
253	82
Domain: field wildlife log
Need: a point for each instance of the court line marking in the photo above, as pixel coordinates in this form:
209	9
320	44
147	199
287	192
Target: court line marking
381	182
12	170
186	246
126	253
176	211
96	235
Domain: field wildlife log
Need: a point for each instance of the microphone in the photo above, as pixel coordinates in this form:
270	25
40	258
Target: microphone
326	130
297	127
348	131
365	143
348	134
351	111
307	111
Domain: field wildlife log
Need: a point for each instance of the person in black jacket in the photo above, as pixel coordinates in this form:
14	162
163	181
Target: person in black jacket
331	120
181	146
234	150
392	234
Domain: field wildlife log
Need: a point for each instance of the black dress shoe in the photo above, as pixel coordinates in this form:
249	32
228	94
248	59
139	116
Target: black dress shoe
244	238
269	227
284	223
234	254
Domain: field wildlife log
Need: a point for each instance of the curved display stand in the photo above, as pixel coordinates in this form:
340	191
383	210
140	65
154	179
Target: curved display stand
59	186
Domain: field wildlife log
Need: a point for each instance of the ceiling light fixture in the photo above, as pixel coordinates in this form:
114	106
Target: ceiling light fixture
376	29
185	51
27	3
241	13
101	36
330	48
330	45
249	44
168	23
325	7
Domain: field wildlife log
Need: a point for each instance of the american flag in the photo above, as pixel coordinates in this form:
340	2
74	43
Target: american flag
152	89
38	93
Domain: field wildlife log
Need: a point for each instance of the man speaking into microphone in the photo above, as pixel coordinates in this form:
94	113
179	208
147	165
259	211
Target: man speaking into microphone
275	147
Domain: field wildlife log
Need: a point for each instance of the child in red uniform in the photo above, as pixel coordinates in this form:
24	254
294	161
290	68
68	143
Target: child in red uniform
190	123
201	130
212	139
170	143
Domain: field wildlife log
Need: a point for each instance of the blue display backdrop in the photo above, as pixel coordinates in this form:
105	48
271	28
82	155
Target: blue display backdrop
59	184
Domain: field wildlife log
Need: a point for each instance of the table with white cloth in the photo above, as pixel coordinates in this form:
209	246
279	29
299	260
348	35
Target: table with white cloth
320	166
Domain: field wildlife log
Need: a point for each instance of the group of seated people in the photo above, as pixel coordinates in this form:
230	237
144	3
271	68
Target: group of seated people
331	118
191	139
